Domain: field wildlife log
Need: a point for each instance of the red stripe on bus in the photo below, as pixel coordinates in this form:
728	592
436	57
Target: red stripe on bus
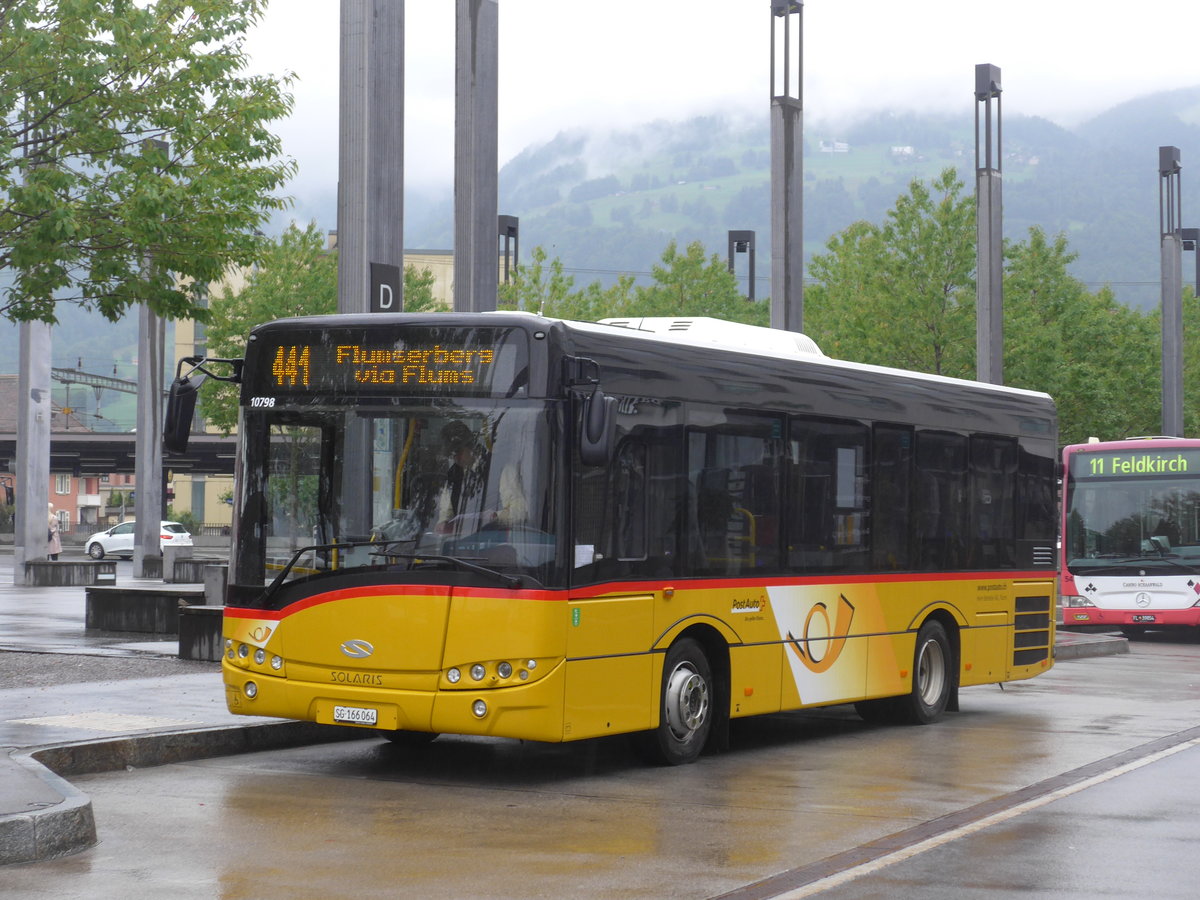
619	587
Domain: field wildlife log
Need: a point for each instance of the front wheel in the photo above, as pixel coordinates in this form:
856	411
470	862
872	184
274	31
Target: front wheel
686	705
95	551
932	677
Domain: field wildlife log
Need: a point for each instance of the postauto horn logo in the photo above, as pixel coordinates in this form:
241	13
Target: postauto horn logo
356	649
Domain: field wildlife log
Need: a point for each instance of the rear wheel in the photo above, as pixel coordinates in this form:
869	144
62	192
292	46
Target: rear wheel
686	705
932	677
95	551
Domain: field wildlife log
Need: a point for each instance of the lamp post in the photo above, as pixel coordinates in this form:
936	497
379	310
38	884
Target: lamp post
787	172
989	259
509	228
1170	201
743	242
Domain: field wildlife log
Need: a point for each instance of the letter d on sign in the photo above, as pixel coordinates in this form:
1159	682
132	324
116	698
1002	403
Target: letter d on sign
385	288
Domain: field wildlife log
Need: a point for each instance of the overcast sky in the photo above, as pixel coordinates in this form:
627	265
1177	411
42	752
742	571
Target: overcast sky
577	63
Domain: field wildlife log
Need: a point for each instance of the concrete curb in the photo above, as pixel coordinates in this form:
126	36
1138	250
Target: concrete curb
1081	646
49	831
65	823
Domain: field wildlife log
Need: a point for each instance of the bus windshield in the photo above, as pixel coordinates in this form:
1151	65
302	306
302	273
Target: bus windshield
1112	525
329	488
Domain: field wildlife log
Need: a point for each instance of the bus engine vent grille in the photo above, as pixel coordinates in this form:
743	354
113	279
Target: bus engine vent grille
1032	632
1043	556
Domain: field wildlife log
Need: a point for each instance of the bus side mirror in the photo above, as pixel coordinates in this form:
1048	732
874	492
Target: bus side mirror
596	428
181	406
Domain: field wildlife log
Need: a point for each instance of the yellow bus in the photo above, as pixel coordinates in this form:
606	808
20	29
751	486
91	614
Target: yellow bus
502	524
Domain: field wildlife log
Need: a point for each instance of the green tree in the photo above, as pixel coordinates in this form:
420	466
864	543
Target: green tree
135	155
695	284
297	277
901	294
1191	364
1095	356
542	287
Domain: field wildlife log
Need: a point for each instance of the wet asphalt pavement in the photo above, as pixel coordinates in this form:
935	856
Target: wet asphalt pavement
73	702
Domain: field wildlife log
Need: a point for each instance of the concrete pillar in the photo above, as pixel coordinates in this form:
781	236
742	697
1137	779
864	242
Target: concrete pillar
148	464
371	153
34	410
476	95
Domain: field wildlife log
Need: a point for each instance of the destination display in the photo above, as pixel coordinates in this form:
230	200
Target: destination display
359	361
1164	463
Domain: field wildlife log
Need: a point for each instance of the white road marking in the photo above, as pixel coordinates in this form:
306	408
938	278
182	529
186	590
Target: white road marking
933	843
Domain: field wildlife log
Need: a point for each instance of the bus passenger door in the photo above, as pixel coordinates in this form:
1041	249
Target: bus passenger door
608	665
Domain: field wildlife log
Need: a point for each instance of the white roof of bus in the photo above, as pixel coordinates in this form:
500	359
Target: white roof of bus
738	337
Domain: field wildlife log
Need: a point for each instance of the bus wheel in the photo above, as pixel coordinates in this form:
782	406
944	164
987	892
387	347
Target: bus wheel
410	740
932	677
686	711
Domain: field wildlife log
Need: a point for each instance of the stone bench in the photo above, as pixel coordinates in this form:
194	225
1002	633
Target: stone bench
191	569
146	609
58	572
200	632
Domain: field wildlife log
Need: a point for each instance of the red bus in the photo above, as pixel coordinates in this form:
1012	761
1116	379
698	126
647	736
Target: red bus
1131	534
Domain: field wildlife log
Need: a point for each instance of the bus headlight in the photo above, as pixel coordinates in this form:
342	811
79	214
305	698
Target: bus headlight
260	656
504	670
479	708
478	671
251	690
454	676
1075	601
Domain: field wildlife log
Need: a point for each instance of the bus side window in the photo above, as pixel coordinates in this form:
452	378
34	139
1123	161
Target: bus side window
891	491
625	515
734	496
993	498
830	522
940	510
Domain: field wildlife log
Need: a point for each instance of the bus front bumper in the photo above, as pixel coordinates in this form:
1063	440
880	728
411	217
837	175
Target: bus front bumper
533	711
1125	618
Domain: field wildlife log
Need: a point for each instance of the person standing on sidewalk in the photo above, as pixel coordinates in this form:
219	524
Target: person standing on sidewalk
55	544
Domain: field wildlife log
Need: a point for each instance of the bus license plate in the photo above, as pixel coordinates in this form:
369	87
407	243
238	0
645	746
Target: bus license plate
355	715
1141	619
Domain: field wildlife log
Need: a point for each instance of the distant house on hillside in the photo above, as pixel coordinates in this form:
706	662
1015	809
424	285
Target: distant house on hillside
834	147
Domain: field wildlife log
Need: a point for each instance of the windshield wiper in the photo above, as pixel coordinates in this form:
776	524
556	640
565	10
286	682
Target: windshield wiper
1131	562
509	581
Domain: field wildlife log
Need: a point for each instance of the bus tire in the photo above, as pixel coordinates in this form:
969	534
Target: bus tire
932	677
686	711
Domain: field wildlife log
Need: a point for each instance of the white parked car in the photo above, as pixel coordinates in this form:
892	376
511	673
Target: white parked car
118	540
